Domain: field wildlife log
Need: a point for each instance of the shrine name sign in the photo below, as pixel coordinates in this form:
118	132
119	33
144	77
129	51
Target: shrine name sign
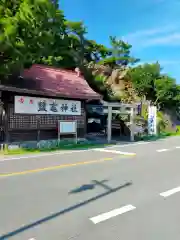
33	105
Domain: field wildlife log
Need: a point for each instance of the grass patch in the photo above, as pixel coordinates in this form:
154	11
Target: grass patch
20	151
79	146
158	136
74	147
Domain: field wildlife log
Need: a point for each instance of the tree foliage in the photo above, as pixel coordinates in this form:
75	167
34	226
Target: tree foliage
36	31
143	77
119	54
166	91
27	30
160	89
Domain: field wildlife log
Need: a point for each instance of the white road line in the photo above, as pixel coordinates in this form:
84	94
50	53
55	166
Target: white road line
162	150
141	142
170	192
129	145
177	147
41	155
114	151
111	214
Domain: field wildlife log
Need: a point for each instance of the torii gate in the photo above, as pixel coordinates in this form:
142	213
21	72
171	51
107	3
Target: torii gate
110	106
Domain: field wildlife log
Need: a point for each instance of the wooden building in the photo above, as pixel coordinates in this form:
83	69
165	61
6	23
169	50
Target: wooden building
33	104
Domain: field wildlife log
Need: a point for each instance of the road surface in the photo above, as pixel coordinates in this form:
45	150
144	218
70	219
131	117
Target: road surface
96	194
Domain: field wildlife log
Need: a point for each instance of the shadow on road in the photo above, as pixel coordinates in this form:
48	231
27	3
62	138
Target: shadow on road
83	188
91	186
67	210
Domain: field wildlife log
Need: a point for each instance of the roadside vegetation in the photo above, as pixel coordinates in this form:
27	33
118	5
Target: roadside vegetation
38	32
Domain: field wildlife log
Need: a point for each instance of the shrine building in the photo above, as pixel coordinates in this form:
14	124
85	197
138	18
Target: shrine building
32	104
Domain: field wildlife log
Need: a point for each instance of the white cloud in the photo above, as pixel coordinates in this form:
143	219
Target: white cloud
170	39
149	32
168	35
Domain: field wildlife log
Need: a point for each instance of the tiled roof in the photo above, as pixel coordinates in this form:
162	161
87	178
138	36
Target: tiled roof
64	83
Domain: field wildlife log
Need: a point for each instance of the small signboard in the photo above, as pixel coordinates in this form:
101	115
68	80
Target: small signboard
67	127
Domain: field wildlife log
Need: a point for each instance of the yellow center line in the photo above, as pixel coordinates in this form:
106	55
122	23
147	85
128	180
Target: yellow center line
54	167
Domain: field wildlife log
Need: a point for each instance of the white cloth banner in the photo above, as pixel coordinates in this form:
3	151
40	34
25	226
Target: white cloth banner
33	105
152	120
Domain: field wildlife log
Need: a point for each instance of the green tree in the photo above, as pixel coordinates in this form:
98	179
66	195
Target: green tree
150	84
143	78
119	54
36	31
166	92
108	66
27	29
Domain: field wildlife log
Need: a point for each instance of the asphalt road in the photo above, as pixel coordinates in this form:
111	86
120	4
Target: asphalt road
95	194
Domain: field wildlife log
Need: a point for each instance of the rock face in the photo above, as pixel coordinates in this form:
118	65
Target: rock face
121	86
117	80
171	120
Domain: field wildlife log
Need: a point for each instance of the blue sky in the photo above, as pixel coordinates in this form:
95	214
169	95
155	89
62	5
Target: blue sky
151	26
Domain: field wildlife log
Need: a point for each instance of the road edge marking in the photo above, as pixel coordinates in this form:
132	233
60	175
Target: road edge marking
162	150
129	144
42	155
114	151
142	142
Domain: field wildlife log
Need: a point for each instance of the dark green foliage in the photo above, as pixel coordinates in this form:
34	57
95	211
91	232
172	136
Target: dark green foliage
36	31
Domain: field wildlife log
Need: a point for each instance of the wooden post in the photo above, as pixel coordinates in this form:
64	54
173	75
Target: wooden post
76	134
59	131
132	124
6	123
38	129
85	119
109	124
120	129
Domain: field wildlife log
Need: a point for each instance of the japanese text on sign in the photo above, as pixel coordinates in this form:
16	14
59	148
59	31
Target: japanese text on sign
33	105
152	121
